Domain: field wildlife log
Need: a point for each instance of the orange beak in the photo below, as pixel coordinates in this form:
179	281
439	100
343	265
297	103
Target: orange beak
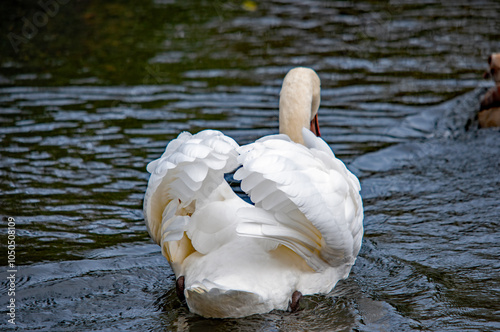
315	126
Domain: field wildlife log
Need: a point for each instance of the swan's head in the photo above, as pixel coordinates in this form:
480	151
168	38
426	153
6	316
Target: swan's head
494	70
299	103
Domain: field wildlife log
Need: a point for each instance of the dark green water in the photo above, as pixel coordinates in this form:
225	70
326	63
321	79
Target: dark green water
90	92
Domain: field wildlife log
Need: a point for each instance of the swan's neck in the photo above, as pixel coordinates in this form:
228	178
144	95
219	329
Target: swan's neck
299	102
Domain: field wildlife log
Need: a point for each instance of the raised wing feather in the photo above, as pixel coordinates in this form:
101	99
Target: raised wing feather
307	198
186	177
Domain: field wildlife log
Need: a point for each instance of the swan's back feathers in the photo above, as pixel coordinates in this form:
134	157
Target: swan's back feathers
354	206
304	197
186	177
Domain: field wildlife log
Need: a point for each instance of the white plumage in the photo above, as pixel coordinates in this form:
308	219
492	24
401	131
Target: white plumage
303	232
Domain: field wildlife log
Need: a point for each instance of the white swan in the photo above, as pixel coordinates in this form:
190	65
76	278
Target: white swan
234	259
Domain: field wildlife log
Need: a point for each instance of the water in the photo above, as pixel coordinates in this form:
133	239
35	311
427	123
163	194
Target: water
98	90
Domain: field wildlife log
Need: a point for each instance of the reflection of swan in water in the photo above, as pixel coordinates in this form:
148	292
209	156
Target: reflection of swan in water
489	115
302	235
